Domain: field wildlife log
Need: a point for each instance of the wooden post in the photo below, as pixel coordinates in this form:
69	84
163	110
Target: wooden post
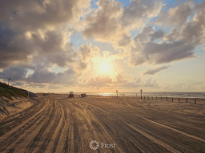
195	100
161	98
172	99
148	97
179	99
186	100
144	97
141	93
156	97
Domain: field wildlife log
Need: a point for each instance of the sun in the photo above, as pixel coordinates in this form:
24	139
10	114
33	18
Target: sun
104	67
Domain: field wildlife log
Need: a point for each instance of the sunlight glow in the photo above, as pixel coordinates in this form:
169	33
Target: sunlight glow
105	67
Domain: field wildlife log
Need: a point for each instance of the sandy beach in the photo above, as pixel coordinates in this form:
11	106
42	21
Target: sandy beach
58	124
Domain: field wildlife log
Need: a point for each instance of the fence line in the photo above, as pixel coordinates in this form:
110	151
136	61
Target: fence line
149	98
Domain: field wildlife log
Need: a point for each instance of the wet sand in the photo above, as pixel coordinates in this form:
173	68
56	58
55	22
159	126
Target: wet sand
59	124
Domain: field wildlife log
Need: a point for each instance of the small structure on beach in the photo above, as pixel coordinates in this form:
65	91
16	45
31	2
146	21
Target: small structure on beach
83	95
71	95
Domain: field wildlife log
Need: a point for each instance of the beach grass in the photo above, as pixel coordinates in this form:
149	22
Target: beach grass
9	91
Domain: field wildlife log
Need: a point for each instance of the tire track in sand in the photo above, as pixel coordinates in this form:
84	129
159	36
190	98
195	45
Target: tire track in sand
168	127
32	145
19	130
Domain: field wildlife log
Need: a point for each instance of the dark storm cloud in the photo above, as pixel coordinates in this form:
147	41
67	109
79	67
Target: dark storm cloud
13	47
15	73
155	70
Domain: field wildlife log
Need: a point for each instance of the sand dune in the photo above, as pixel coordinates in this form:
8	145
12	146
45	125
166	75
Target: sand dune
58	124
9	107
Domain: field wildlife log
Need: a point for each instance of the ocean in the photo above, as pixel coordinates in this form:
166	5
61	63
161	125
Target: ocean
150	94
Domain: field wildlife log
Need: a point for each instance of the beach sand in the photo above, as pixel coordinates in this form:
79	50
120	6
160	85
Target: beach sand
59	124
17	104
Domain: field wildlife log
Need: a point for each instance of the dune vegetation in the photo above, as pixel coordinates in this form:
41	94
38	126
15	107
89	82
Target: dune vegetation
9	91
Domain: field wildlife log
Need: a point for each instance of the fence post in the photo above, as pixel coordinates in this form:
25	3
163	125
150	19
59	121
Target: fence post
156	97
179	99
161	98
172	99
148	97
195	101
186	100
152	98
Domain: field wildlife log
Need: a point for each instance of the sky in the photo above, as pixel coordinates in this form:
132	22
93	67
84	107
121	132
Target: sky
103	45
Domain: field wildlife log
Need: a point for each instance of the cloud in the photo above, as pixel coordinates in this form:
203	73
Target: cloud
87	57
168	52
175	16
14	73
151	83
157	34
20	84
41	28
126	39
144	35
136	59
34	14
81	67
176	45
13	47
112	23
41	75
67	78
103	23
87	52
155	70
17	48
120	79
138	11
99	81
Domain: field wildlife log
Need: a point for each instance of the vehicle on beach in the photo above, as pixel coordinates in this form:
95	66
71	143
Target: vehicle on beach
83	95
71	95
